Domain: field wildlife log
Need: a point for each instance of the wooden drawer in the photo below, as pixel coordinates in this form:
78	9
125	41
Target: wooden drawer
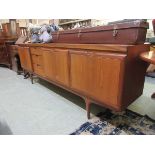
36	51
40	60
38	69
37	59
47	49
34	59
62	66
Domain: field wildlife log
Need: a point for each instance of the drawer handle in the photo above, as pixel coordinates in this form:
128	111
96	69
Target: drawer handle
38	65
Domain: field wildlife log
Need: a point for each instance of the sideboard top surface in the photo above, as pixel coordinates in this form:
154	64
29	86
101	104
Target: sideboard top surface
100	47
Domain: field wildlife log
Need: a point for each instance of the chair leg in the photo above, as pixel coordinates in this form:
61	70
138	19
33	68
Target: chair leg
153	96
31	77
88	104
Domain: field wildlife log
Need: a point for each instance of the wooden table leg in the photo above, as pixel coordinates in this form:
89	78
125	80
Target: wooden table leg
88	104
153	96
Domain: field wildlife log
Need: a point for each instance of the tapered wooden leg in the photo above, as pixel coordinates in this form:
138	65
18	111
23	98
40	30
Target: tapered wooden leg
31	77
153	96
88	104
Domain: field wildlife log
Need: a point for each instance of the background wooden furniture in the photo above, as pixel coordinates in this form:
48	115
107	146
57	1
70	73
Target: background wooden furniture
4	52
151	68
109	75
150	58
8	51
70	23
23	31
10	29
25	60
15	60
8	34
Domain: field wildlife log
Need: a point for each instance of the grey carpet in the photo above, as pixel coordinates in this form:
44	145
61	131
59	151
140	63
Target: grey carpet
42	108
34	109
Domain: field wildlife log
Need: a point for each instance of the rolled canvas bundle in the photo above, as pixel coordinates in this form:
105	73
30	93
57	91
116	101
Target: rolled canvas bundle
42	34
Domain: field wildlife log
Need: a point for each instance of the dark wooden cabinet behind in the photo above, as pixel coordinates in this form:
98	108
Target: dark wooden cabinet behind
109	75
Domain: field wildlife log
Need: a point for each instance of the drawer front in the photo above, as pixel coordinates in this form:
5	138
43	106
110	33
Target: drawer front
38	69
36	51
37	59
40	61
49	64
34	59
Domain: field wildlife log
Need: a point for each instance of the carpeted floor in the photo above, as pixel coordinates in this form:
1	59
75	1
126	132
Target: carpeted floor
33	109
43	108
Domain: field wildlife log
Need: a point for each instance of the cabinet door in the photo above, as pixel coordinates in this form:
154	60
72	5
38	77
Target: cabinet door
98	75
49	63
105	81
62	66
25	58
79	71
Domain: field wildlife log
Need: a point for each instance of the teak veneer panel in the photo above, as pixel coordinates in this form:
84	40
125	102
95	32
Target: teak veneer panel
134	75
96	74
36	51
25	58
109	75
49	64
99	47
39	70
62	66
56	65
103	79
78	71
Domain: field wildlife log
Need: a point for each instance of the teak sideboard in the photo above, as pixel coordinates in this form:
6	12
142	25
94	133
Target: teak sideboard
109	75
